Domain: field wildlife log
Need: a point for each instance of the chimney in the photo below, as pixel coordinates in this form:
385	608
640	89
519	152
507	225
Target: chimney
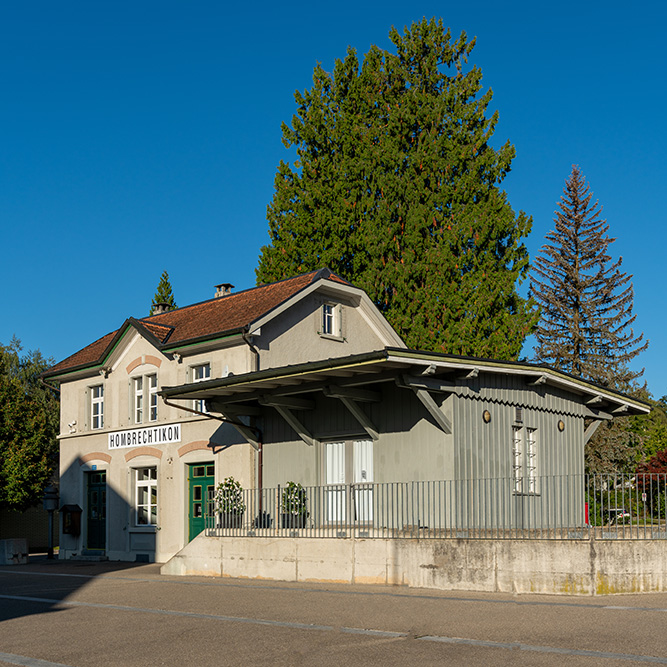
223	289
161	308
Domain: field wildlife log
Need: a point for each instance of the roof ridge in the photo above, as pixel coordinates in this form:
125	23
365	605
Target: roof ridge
205	319
234	294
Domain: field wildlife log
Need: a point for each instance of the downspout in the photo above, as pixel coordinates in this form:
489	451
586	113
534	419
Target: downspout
260	451
253	349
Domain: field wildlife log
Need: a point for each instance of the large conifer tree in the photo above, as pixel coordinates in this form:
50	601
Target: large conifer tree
586	301
164	294
396	189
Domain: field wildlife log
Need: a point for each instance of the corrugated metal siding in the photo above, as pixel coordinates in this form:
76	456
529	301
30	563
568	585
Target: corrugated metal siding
485	451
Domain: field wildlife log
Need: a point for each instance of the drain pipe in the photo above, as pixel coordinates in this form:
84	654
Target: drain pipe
253	349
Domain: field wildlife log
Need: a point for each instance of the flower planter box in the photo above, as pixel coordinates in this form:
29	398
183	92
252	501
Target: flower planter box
293	520
230	520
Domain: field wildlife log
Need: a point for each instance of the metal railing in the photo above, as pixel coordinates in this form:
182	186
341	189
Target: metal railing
556	507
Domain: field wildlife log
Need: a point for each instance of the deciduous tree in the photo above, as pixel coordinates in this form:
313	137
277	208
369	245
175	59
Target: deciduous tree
29	413
396	188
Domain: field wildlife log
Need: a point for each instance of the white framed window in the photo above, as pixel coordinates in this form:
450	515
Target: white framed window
144	393
531	459
152	397
97	406
331	320
199	374
517	458
145	495
348	462
138	400
524	460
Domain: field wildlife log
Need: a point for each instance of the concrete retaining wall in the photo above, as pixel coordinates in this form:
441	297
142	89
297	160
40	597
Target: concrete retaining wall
535	566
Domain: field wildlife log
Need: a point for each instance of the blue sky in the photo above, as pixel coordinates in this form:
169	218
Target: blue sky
144	136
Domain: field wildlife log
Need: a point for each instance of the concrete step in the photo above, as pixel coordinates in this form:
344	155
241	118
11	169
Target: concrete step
91	557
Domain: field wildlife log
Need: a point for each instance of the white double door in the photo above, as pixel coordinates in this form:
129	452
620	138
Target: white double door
349	462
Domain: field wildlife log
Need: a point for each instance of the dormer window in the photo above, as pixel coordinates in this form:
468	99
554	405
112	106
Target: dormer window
331	320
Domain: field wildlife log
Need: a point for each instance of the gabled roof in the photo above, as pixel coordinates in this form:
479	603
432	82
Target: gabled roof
206	320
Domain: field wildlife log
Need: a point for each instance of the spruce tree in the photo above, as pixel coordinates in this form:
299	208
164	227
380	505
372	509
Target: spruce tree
585	298
163	294
396	190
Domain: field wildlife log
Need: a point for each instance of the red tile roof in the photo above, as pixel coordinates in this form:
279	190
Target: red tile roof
160	331
208	319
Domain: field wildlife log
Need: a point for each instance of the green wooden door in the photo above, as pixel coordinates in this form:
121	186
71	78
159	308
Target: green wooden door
201	490
97	510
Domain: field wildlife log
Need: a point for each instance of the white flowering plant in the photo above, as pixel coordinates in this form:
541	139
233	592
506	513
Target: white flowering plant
229	497
294	500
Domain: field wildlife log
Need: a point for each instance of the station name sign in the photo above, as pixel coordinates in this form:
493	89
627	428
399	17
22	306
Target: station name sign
153	435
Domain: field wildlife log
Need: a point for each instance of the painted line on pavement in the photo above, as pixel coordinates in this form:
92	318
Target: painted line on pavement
330	628
546	649
28	662
168	612
371	593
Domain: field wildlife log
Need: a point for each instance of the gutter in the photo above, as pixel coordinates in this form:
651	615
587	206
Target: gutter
50	386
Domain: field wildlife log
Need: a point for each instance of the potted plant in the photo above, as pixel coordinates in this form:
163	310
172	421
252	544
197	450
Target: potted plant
229	503
294	506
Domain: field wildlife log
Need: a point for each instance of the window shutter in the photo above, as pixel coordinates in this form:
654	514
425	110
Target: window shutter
130	400
86	409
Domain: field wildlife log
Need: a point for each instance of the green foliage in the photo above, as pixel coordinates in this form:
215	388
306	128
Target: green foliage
620	445
164	294
229	497
29	415
586	301
396	190
294	500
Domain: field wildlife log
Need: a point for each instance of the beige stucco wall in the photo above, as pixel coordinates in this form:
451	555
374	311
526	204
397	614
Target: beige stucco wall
293	336
202	440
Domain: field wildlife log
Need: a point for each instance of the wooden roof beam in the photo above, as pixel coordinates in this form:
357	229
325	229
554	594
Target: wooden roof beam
434	410
298	427
290	402
354	393
347	398
428	384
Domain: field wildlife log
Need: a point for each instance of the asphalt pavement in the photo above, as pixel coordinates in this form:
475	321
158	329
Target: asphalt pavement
82	614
